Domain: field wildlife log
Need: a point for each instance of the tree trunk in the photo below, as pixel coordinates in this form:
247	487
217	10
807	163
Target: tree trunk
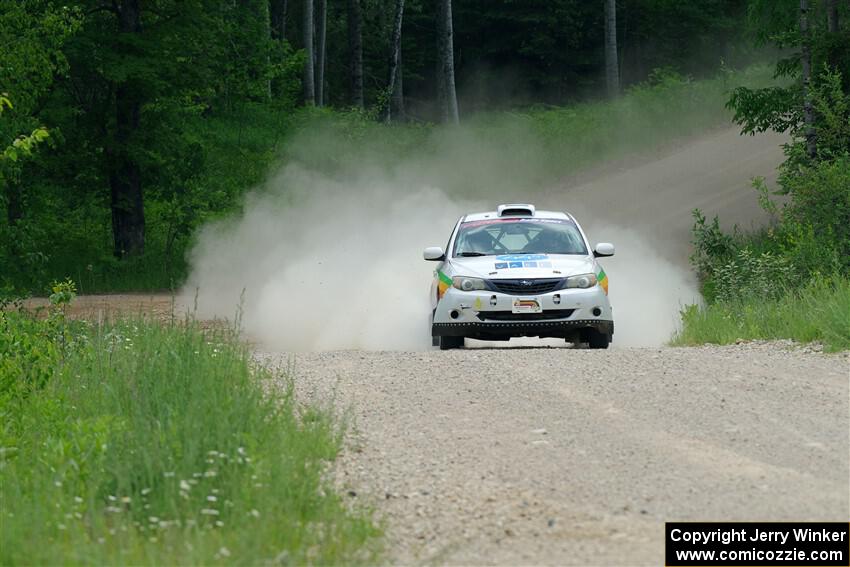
125	178
355	52
612	68
445	52
279	10
806	62
14	204
266	17
395	57
321	24
832	16
309	78
397	101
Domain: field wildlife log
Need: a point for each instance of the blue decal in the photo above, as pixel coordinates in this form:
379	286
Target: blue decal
501	265
545	264
521	257
515	265
529	264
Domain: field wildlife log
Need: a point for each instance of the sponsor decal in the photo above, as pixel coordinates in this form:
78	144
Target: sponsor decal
529	264
515	264
501	265
522	257
444	282
602	278
545	264
478	304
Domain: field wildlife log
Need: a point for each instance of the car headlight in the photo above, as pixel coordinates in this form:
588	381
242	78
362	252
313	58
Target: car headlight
468	284
582	281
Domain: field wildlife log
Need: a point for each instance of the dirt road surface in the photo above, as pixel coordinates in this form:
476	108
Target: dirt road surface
562	456
712	173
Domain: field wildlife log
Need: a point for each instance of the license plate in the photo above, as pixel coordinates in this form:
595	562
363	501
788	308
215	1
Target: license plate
526	305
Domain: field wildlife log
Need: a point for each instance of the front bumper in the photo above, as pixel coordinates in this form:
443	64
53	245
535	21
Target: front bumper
488	315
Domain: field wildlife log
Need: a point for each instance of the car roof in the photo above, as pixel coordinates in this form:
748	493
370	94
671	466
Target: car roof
538	214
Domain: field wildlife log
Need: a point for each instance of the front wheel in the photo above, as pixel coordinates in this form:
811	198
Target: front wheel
597	339
448	343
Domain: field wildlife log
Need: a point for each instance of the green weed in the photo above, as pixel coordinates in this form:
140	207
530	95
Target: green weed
141	444
818	312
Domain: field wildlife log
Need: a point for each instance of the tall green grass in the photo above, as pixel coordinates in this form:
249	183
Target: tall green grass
819	312
141	444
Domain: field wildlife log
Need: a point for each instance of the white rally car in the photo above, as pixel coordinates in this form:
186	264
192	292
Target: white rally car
519	272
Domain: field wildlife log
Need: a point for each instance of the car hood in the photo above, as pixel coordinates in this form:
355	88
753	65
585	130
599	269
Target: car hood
522	266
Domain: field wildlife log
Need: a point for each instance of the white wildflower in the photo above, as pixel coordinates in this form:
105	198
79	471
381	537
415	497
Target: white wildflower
211	498
255	513
209	512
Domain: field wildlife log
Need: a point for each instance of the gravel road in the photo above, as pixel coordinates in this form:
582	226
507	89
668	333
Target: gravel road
561	456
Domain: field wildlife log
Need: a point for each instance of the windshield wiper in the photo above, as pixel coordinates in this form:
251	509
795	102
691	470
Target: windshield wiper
472	254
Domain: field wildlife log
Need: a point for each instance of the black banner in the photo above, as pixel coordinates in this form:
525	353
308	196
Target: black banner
814	544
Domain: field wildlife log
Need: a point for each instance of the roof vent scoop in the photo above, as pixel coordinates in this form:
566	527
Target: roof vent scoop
515	210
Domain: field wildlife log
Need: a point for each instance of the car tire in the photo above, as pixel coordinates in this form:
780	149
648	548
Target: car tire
448	343
597	339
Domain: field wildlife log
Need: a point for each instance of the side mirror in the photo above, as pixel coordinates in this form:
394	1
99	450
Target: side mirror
603	249
433	254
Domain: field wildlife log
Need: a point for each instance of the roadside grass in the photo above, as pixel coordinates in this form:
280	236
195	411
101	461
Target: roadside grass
136	443
819	312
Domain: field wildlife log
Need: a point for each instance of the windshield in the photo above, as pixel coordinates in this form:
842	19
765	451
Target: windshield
518	236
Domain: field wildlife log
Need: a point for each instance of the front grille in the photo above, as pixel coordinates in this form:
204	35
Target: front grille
527	286
508	316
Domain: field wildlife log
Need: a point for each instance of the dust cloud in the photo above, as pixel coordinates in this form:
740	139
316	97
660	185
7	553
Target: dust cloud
321	261
326	264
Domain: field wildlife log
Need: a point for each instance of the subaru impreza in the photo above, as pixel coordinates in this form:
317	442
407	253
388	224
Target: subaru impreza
520	272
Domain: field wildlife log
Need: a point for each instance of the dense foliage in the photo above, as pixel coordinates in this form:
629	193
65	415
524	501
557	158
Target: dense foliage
801	263
155	115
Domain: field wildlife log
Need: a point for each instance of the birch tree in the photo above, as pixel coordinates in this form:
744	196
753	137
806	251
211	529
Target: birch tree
395	57
397	99
321	34
355	52
612	68
806	64
309	77
445	62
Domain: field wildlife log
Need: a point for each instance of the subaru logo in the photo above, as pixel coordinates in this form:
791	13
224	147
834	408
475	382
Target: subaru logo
526	282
